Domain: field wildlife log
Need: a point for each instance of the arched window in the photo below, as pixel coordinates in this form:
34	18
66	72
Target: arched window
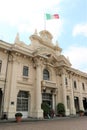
46	74
22	101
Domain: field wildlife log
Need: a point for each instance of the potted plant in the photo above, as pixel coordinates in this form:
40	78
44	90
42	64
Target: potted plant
18	116
81	112
61	109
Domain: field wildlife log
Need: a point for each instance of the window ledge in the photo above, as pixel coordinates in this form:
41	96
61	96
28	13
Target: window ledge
25	77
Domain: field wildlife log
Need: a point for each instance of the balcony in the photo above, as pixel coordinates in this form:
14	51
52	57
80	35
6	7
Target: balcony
49	84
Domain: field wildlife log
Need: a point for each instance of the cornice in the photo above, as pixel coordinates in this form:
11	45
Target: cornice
62	59
76	72
15	48
26	51
5	45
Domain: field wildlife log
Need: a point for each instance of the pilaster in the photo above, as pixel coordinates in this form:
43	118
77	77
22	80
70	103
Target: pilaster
80	96
12	91
39	111
64	90
72	106
53	103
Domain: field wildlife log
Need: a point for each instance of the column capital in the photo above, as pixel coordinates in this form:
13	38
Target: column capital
37	61
60	71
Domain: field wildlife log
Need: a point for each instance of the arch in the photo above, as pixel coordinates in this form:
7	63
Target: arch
23	102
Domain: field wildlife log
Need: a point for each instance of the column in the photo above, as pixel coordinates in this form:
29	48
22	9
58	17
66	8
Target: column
12	90
53	101
64	92
39	111
80	96
72	106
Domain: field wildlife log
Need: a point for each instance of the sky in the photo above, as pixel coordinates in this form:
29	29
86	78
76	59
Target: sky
70	30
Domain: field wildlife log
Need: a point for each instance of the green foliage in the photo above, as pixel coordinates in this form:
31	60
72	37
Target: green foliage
46	108
61	109
18	114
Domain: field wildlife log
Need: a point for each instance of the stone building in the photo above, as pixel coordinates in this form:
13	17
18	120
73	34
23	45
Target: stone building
36	73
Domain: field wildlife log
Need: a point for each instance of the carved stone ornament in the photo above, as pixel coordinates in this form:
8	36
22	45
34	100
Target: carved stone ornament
37	61
60	71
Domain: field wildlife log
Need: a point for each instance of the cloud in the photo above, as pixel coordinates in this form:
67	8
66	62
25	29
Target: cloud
77	56
17	10
55	27
80	29
26	16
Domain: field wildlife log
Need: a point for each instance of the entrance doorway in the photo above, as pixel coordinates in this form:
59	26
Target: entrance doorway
0	101
85	103
47	98
76	102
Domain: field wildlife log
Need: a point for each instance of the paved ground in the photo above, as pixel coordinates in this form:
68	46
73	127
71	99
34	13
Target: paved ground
79	123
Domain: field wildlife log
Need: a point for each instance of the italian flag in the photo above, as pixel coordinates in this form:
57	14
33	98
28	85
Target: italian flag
54	16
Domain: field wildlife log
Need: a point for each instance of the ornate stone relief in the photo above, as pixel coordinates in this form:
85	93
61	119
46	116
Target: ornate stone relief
60	71
37	61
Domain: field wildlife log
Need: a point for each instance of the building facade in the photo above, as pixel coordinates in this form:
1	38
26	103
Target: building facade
36	73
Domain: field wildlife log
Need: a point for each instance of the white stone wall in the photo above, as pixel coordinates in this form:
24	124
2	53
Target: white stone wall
37	60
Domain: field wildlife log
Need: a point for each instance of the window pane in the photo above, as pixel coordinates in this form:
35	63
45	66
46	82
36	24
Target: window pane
66	82
22	101
83	86
46	96
46	74
75	86
25	71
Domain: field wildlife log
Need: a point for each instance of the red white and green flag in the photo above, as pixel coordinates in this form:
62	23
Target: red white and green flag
54	16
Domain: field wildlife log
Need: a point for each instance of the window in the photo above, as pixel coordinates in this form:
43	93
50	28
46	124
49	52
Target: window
25	70
46	74
83	86
66	81
22	101
75	86
0	65
46	96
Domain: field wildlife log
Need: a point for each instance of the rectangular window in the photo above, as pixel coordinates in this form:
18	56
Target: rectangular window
75	85
66	81
83	86
25	71
0	65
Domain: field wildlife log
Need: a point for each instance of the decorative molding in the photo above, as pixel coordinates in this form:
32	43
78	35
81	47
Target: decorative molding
49	84
37	61
24	82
